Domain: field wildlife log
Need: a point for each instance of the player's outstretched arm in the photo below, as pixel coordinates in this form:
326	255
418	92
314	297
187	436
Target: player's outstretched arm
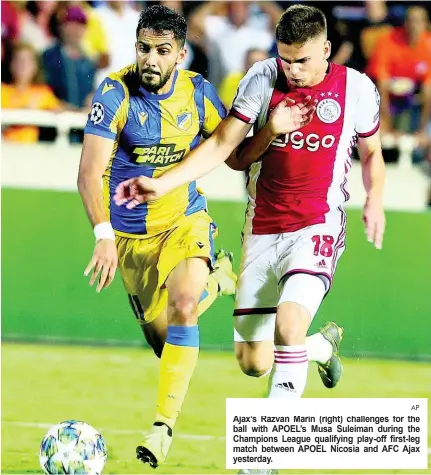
373	176
207	156
211	153
285	118
95	156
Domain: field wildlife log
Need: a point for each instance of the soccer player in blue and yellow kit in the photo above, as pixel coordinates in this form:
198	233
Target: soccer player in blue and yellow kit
144	120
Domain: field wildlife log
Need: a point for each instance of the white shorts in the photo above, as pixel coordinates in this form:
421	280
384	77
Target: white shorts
269	260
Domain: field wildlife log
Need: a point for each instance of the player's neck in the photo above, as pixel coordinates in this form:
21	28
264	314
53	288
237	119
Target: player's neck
167	87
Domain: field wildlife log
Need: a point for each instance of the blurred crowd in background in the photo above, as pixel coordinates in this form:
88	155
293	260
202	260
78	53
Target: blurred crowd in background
54	54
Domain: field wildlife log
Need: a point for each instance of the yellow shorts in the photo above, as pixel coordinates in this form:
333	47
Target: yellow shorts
145	264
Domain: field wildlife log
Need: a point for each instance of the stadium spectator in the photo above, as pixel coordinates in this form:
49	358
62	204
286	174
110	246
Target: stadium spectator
196	58
229	85
376	26
174	4
119	20
9	34
9	23
26	91
359	38
95	40
230	29
401	65
35	23
68	70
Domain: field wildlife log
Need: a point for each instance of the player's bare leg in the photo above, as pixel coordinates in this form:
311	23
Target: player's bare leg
155	332
256	358
300	298
185	286
221	281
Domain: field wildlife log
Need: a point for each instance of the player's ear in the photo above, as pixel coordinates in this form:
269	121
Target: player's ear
182	55
327	49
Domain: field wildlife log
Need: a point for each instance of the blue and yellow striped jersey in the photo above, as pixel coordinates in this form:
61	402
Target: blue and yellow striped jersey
152	133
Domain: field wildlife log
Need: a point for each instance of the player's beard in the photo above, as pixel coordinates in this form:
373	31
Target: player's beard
157	81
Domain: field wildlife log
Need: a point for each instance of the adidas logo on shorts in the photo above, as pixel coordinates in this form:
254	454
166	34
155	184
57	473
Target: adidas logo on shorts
321	264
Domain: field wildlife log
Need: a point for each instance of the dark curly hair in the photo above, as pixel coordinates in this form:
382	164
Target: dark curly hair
161	19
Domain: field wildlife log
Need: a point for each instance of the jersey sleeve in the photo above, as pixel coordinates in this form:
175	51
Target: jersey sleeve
249	98
215	111
106	109
367	120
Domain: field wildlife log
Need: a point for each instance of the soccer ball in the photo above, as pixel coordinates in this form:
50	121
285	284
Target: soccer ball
73	447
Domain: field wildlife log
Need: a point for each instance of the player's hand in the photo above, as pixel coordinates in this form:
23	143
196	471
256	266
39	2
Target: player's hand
290	115
137	190
103	263
375	222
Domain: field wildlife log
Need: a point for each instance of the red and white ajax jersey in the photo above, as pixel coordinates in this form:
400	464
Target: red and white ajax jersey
302	175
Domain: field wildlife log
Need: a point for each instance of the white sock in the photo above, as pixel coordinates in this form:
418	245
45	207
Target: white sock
289	373
318	348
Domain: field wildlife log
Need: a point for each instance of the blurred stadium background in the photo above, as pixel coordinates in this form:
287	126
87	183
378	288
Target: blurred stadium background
69	353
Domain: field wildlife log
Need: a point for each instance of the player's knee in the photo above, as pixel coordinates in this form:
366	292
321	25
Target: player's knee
292	325
291	334
253	369
251	365
183	310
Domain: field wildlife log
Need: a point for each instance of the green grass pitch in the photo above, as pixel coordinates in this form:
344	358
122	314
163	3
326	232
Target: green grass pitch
380	297
114	389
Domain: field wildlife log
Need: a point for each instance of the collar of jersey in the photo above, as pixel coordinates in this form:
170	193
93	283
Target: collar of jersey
159	97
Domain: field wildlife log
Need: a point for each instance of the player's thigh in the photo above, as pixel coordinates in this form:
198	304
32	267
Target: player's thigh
193	237
138	265
255	358
185	262
314	250
306	264
257	293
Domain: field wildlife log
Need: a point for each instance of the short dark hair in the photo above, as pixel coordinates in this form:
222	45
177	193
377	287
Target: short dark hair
162	19
300	23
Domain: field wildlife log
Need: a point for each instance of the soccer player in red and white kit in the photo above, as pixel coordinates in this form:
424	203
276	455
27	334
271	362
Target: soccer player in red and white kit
298	161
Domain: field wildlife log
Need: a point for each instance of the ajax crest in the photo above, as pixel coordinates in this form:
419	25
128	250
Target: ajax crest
328	110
